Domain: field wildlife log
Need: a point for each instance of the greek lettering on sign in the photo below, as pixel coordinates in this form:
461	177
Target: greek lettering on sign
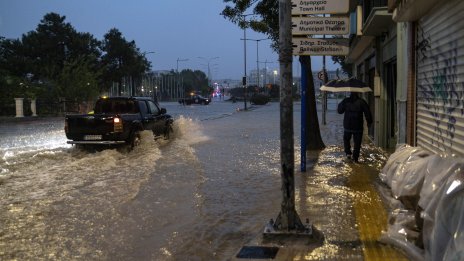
320	25
320	7
309	6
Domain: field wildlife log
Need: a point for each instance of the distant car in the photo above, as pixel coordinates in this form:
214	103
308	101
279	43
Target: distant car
195	99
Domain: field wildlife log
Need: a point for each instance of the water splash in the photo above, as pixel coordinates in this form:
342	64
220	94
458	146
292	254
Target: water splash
189	131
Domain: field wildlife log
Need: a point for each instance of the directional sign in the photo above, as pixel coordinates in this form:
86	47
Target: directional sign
320	25
320	7
318	46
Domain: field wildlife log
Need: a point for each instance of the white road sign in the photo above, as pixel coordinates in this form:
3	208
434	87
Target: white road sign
320	25
320	7
319	47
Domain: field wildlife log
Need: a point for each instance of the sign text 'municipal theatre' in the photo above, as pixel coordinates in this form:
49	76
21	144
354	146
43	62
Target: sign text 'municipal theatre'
320	25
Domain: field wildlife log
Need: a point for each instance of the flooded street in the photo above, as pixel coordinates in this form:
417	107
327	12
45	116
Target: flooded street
199	196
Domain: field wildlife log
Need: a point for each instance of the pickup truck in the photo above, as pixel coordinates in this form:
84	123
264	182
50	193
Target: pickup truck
118	120
195	99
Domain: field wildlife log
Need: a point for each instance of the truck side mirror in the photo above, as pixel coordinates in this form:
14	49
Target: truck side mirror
163	111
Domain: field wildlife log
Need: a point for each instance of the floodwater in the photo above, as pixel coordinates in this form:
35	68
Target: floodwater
199	196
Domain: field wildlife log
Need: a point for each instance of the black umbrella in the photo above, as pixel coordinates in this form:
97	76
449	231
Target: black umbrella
346	85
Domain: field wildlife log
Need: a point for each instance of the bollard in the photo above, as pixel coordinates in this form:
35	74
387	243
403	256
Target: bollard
33	107
19	107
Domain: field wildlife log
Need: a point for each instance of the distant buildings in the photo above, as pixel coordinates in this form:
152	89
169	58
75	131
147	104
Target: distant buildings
267	76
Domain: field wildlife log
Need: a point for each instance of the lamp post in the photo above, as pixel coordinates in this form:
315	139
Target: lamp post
275	74
265	71
180	60
244	81
208	60
257	55
177	72
144	55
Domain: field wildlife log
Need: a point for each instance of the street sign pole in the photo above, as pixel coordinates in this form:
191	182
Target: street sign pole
303	116
324	94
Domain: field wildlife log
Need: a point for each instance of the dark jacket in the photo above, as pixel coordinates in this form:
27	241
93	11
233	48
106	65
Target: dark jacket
354	107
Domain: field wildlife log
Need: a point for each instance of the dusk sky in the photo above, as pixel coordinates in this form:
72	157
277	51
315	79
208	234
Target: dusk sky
173	29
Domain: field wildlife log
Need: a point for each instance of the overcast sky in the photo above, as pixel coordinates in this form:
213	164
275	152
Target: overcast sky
173	29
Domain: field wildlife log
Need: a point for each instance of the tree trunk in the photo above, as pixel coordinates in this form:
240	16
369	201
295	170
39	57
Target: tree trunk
288	218
313	133
119	87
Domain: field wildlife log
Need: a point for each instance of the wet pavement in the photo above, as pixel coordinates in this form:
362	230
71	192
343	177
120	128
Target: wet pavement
201	196
339	197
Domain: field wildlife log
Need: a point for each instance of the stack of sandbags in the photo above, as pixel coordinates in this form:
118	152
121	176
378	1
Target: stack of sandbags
442	201
429	221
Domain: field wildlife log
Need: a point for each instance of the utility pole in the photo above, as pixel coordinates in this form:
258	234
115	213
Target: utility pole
266	90
257	56
244	66
144	56
244	80
208	60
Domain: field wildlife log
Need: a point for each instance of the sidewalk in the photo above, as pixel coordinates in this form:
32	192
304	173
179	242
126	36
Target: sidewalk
13	119
339	197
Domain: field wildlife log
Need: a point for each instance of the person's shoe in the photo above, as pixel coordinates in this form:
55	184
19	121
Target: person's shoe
348	156
356	160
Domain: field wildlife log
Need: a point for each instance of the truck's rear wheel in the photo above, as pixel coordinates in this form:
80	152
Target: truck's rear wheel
134	140
168	131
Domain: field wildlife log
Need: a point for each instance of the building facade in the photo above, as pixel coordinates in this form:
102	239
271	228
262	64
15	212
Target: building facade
433	80
374	58
411	53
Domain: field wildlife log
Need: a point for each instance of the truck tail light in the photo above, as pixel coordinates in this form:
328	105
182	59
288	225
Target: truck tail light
117	125
66	126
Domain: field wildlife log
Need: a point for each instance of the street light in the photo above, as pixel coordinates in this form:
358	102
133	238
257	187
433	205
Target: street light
265	71
180	60
275	74
244	58
208	60
144	55
257	56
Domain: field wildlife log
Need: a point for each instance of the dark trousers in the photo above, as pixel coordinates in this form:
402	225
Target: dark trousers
357	139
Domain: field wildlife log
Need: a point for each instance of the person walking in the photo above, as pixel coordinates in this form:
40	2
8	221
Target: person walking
353	123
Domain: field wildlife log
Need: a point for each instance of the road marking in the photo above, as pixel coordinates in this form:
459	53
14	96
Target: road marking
371	216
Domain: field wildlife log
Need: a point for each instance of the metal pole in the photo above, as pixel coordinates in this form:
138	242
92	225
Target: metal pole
324	93
265	72
257	63
303	116
208	67
244	60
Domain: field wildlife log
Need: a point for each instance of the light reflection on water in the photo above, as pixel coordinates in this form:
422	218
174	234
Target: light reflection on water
199	196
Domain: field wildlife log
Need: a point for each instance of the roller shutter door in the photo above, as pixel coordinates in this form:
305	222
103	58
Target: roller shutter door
440	79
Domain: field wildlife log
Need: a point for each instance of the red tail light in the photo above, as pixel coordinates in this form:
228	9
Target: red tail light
117	125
